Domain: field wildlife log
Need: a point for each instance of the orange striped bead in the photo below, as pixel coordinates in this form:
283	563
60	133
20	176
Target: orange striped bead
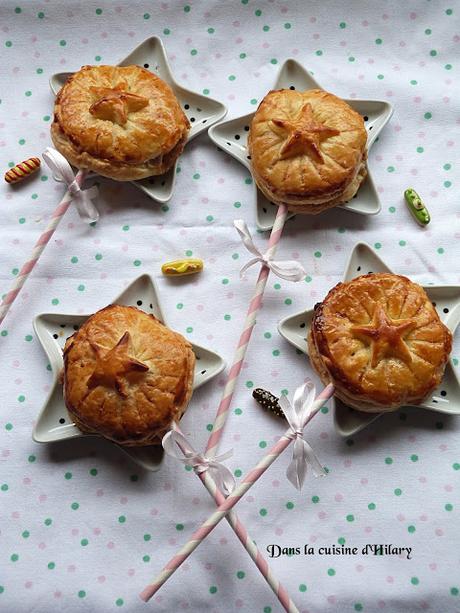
22	170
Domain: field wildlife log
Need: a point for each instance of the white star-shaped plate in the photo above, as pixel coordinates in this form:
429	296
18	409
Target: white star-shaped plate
52	329
231	136
446	299
201	111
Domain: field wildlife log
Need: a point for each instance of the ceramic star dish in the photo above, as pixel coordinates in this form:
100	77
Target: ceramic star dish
52	329
446	299
231	137
201	111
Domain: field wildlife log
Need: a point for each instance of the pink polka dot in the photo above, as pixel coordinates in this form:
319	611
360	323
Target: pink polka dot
97	531
368	529
338	497
359	568
123	500
448	488
42	497
15	515
390	579
57	594
433	566
331	599
110	545
324	435
279	531
250	498
71	568
381	604
275	483
238	603
400	517
99	493
131	572
439	532
347	463
101	579
27	481
28	584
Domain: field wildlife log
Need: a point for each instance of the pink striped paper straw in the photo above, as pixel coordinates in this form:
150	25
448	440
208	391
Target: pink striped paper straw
248	543
250	322
38	249
248	481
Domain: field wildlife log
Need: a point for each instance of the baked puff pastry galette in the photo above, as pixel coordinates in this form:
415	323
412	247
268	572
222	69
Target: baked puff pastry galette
127	376
308	149
379	340
121	122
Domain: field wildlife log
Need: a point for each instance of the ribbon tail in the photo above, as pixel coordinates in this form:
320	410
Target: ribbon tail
297	469
288	270
172	441
311	459
248	265
85	206
222	477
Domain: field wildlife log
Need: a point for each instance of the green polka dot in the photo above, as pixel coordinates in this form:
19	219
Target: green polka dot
388	460
248	181
209	427
440	250
243	56
63	43
288	301
146	558
146	15
413	82
31	459
238	411
14	557
46	117
22	141
267	610
380	76
308	279
318	52
262	444
287	26
341	540
258	13
302	587
266	28
392	209
196	176
84	542
289	505
414	457
324	410
137	263
402	243
51	565
8	43
331	572
40	15
119	602
74	259
277	286
212	589
371	506
448	507
28	93
449	11
179	527
378	41
433	53
81	594
358	606
167	31
420	149
238	472
315	499
98	11
411	529
390	169
4	487
447	183
241	574
48	521
206	92
428	31
456	466
351	59
25	534
121	519
253	100
276	353
74	506
81	288
415	581
21	398
263	512
318	254
378	245
8	427
193	52
427	115
4	333
209	218
454	591
448	66
397	491
98	58
249	384
350	518
55	301
93	472
68	476
227	317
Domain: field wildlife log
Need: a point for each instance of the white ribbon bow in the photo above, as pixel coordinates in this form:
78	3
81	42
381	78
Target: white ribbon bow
222	476
82	197
290	270
298	414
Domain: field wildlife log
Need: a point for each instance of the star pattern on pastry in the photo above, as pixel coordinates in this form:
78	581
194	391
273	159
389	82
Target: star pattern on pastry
113	366
386	336
305	134
115	103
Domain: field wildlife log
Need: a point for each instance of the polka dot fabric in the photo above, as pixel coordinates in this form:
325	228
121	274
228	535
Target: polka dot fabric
82	528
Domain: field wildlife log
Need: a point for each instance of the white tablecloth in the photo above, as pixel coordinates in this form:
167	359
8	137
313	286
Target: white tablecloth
97	555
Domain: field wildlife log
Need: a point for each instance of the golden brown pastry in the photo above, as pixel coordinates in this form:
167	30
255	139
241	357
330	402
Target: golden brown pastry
308	149
127	376
122	122
380	341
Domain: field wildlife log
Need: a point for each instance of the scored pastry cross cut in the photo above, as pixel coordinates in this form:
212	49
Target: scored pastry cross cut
113	366
387	336
114	104
305	134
